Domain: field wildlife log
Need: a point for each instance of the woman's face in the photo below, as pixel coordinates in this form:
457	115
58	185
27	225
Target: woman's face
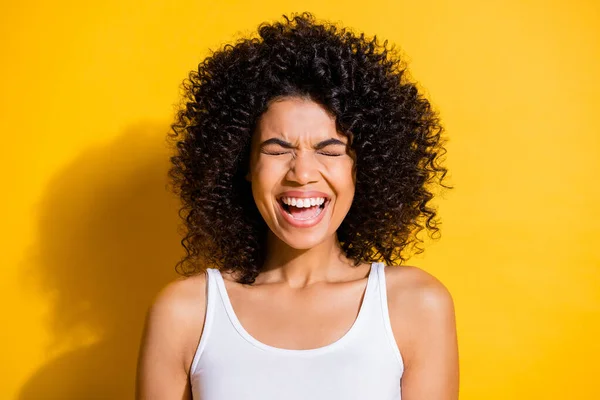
302	178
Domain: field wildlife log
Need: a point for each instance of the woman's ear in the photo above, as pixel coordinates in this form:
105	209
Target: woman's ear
248	176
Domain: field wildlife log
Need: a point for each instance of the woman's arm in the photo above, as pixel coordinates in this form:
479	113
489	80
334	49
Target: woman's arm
423	320
171	333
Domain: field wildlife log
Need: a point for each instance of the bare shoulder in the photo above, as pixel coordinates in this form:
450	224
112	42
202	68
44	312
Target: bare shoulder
418	302
172	329
180	296
413	284
176	316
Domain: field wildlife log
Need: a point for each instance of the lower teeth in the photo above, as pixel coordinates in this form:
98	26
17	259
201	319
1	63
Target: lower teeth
319	210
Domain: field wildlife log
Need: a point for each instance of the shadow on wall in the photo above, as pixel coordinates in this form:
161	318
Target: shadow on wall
107	242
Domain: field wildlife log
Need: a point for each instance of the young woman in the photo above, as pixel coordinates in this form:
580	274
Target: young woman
305	160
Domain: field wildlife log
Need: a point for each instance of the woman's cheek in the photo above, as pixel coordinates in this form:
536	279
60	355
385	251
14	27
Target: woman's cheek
341	170
267	175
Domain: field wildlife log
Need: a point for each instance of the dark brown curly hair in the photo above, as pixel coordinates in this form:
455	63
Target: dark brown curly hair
395	137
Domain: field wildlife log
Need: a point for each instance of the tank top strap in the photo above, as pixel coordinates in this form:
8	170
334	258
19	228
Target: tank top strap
211	304
385	313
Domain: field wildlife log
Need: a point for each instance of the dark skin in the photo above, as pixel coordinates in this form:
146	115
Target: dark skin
289	151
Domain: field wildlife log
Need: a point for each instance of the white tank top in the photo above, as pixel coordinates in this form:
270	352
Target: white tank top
230	364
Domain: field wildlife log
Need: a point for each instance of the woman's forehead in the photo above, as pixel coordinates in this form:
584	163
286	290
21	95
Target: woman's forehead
297	119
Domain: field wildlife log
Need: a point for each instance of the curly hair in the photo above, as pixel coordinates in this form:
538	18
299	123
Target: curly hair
394	134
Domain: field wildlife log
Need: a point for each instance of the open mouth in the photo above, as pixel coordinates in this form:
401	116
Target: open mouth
303	209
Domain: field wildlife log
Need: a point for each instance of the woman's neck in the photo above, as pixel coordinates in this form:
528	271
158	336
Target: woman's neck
300	268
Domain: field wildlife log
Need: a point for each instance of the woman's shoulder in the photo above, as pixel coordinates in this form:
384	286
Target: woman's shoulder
181	297
175	317
418	302
408	281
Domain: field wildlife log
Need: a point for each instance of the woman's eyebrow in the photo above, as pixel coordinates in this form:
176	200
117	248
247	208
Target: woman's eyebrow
288	145
328	142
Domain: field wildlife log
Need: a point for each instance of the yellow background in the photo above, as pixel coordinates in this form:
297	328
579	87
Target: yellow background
89	233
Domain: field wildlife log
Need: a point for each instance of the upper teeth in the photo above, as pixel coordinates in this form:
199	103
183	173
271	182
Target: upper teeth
303	202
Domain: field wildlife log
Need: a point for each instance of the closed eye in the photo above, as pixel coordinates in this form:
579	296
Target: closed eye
271	153
325	153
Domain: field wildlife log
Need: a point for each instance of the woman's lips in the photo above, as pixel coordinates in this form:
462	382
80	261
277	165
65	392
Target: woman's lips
305	223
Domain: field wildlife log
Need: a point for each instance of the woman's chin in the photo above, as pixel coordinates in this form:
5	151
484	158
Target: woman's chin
303	241
304	244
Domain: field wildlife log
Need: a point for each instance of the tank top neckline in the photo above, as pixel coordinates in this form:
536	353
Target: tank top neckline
371	280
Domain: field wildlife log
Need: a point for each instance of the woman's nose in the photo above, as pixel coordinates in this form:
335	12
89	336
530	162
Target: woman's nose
303	168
